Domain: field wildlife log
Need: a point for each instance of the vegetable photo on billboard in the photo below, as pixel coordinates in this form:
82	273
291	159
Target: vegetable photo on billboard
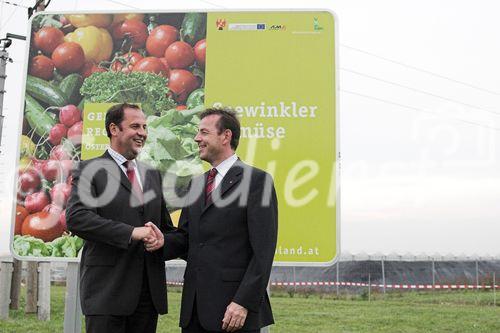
156	60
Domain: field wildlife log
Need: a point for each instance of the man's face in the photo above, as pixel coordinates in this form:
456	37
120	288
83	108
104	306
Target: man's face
128	139
210	142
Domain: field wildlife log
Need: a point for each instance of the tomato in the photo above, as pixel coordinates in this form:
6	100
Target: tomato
21	214
47	39
160	38
36	201
42	67
75	133
182	82
90	68
126	62
179	55
56	134
43	225
165	63
52	208
135	29
68	57
152	65
59	153
118	18
200	50
29	181
59	194
69	115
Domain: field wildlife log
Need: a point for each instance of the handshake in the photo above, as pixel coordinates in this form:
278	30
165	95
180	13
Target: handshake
150	235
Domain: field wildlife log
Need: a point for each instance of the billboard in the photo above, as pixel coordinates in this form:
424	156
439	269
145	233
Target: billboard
275	69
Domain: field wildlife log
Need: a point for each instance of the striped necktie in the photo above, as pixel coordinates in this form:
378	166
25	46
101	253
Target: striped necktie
133	180
210	186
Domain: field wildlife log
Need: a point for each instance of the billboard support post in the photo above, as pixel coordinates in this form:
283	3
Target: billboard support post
15	287
72	308
43	291
5	280
31	287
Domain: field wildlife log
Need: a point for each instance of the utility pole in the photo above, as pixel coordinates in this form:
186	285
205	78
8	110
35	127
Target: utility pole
4	59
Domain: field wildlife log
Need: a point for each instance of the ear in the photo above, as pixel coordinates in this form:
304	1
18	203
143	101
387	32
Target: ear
113	129
228	135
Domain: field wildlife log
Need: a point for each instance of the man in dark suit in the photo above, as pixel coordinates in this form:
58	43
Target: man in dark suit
228	232
122	286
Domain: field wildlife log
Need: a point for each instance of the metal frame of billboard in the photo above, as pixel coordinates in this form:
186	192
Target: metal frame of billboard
181	262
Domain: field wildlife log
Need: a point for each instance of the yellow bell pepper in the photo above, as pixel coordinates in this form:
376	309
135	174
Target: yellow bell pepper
85	20
117	18
27	146
24	163
96	43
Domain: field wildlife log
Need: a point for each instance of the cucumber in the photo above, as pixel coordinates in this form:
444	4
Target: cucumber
45	92
81	104
70	87
194	27
37	118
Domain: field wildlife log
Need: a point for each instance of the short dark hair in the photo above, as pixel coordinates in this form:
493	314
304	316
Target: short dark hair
227	120
115	115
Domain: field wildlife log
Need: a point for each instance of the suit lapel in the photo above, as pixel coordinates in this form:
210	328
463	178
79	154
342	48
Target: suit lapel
113	168
232	177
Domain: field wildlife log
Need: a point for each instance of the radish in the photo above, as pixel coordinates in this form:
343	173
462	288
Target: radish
29	181
59	153
75	133
56	134
35	202
62	220
69	115
60	194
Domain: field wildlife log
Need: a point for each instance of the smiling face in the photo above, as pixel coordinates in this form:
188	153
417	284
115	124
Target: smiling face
214	147
129	136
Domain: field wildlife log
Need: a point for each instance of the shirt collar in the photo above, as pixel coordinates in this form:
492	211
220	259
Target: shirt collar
225	165
119	158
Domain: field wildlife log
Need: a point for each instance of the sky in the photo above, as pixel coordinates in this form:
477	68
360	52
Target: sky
419	92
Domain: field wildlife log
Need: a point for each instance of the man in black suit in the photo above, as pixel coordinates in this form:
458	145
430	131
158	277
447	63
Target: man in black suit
228	232
122	286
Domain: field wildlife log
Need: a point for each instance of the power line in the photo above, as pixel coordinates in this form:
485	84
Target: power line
9	18
13	4
416	109
421	70
418	90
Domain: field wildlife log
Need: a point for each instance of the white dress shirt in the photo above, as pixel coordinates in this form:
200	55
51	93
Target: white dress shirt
223	168
119	159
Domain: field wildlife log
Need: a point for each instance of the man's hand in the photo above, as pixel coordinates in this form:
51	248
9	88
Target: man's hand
157	242
143	233
234	318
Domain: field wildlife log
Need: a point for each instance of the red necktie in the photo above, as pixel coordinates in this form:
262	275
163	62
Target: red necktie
135	183
210	186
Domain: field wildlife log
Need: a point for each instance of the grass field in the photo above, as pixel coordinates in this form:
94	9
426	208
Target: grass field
457	311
